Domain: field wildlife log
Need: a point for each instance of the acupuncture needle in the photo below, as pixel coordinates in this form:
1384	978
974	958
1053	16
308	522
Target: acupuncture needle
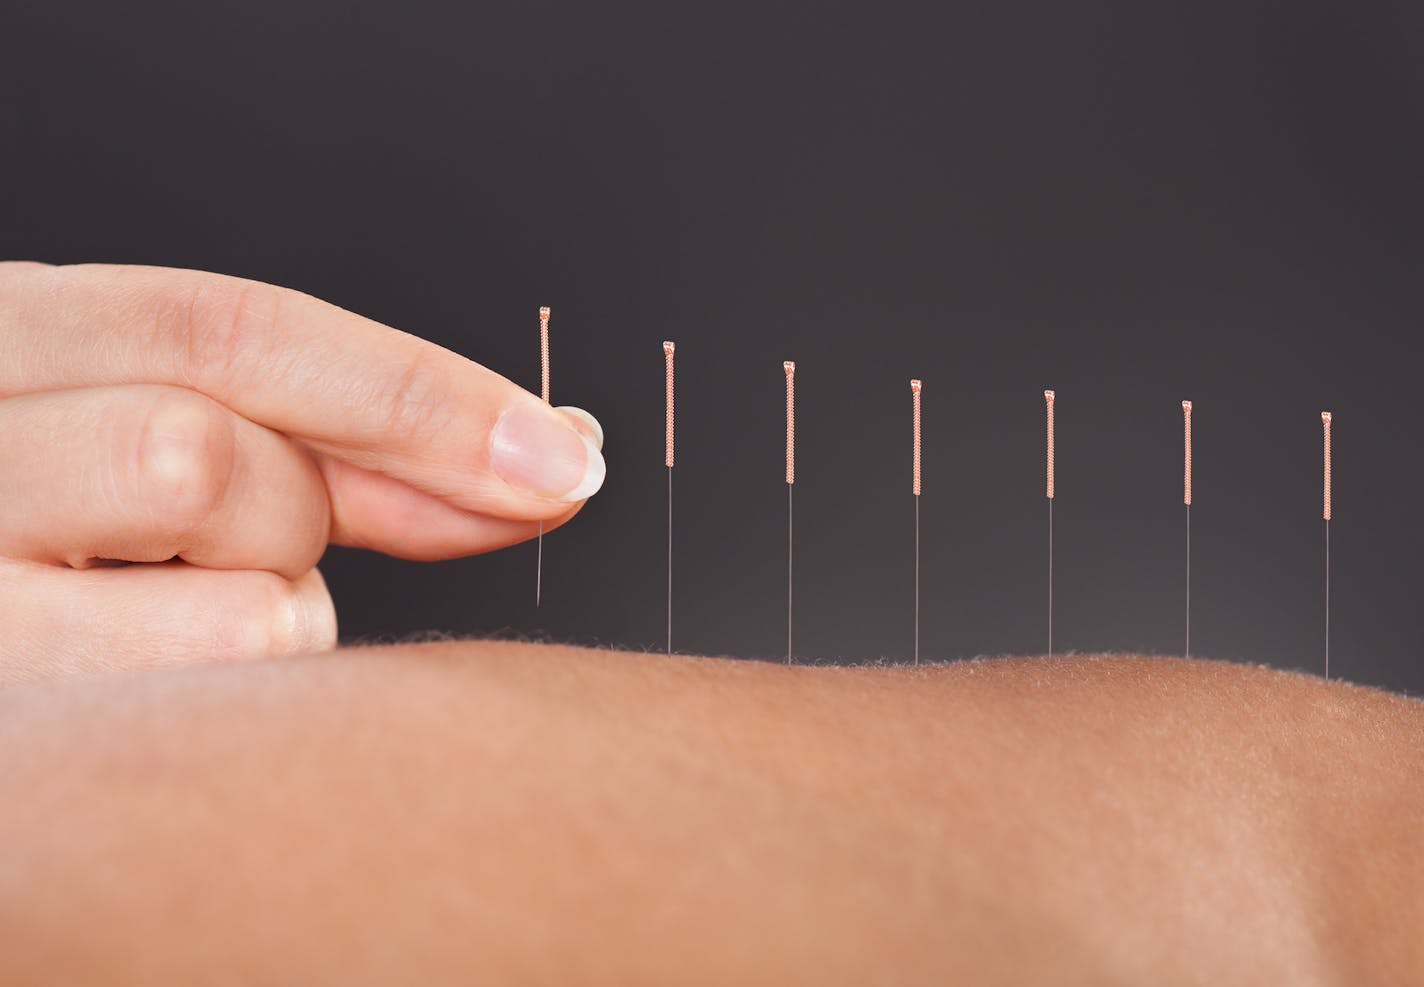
790	368
915	387
668	348
1325	418
1187	500
1048	399
544	391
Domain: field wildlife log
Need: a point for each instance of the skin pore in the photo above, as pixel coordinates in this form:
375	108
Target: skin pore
507	813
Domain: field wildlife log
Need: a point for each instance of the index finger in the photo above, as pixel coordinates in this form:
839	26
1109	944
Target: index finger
365	393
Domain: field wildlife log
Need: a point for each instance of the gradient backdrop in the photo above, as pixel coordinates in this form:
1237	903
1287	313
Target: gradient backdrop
1129	202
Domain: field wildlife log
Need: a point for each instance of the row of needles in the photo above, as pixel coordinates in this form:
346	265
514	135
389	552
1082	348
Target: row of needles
916	389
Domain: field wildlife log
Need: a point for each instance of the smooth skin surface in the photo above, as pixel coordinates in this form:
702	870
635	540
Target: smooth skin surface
220	433
499	813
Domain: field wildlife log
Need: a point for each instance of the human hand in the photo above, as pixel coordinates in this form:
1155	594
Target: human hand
223	432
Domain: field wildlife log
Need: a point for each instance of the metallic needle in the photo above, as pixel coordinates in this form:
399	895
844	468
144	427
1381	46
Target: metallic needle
1048	398
1187	500
1325	418
544	391
915	387
790	369
668	348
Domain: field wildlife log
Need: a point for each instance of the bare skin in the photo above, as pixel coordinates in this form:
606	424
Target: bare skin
499	813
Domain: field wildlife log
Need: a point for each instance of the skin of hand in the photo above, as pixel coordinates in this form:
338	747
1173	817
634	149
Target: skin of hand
218	434
496	813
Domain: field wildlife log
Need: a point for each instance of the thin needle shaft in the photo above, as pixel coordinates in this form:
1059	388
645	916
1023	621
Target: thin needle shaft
790	369
1325	419
1048	399
668	349
915	388
669	566
1187	500
1187	648
917	579
544	392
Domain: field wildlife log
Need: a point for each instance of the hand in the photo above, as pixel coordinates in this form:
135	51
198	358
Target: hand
222	432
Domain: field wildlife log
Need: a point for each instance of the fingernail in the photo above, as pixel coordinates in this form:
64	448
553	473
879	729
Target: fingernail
589	424
542	453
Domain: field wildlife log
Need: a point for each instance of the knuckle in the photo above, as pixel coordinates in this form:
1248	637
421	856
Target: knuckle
225	329
186	455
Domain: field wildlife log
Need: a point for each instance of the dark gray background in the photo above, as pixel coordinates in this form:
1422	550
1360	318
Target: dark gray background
1130	202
